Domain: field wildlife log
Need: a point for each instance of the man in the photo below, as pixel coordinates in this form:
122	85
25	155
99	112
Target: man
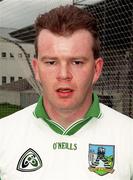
68	134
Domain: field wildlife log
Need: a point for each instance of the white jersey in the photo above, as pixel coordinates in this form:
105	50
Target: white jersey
98	147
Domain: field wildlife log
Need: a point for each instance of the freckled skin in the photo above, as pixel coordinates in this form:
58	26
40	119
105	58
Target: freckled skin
67	62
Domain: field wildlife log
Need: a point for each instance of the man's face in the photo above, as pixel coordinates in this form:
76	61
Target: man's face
66	69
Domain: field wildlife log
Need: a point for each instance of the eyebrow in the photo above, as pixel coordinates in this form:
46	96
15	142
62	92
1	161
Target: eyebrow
80	57
48	57
70	58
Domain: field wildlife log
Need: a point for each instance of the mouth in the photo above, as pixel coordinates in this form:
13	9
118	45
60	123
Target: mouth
64	92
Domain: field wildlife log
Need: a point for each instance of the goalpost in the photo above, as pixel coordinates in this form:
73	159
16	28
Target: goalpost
26	67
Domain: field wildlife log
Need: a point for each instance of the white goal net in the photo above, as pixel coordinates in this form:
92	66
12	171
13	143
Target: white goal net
115	20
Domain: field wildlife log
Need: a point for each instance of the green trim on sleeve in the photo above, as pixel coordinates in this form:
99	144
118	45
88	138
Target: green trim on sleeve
94	111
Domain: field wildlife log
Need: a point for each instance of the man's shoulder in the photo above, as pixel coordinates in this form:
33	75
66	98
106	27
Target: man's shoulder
116	121
113	114
19	115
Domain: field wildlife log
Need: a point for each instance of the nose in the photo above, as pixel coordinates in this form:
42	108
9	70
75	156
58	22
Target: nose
64	73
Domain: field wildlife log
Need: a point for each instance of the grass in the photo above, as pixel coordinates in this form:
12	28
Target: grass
7	109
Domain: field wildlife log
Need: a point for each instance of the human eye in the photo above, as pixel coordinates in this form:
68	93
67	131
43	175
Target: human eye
78	62
50	62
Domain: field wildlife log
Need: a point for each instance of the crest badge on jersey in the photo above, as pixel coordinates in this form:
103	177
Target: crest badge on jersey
29	161
101	158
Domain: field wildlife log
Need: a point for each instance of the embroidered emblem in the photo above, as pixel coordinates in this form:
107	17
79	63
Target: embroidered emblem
29	161
101	158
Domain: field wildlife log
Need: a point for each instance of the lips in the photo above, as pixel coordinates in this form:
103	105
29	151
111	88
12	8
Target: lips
64	92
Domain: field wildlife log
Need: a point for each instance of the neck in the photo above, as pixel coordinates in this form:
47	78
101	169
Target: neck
66	117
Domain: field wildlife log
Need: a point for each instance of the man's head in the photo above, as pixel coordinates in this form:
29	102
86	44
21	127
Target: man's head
64	21
68	62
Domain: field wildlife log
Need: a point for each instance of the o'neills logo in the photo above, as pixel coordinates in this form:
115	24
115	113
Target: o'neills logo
29	161
64	145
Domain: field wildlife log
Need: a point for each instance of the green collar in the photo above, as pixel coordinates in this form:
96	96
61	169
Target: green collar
94	111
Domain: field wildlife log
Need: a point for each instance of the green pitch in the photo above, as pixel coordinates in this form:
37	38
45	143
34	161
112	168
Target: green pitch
7	109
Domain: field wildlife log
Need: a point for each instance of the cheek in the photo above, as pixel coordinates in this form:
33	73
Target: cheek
46	80
85	78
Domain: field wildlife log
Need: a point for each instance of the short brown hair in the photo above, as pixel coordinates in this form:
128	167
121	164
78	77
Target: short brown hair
65	20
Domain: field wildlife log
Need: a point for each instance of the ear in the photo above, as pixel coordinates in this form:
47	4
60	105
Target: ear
98	69
35	68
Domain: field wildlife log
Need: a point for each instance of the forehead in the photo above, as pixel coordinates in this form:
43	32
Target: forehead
80	40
